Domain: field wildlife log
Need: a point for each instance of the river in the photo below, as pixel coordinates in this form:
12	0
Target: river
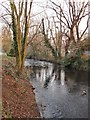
60	92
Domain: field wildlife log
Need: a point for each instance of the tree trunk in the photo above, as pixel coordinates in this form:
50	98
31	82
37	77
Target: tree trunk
20	36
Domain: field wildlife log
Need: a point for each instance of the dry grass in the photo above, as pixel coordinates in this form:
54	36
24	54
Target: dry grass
85	57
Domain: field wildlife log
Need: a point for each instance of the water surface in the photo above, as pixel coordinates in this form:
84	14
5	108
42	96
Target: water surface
59	92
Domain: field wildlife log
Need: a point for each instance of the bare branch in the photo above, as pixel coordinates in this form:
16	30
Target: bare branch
84	30
6	8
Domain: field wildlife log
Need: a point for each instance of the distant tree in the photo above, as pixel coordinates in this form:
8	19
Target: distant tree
47	41
70	19
36	44
6	39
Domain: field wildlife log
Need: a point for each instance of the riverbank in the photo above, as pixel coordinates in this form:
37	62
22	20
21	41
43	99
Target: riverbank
18	98
82	64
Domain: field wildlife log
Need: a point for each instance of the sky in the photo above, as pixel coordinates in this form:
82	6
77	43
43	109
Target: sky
35	10
38	8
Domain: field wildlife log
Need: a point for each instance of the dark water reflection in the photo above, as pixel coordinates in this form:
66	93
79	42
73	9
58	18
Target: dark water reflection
59	91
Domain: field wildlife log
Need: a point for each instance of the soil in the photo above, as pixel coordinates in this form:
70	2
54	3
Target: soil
18	98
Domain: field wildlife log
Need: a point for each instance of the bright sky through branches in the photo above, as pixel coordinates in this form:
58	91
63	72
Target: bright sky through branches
38	8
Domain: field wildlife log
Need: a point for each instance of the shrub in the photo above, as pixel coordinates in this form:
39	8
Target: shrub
11	53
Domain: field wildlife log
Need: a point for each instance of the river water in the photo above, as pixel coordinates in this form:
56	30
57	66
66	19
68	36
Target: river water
60	93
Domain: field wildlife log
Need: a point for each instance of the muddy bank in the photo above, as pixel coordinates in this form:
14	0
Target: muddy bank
18	98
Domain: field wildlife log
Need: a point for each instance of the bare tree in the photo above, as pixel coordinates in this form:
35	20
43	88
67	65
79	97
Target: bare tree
47	41
51	33
71	19
6	38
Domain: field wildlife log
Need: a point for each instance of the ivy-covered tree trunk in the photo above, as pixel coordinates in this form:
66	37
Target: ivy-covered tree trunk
20	35
47	42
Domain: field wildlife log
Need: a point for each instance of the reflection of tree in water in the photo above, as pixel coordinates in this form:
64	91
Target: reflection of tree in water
74	80
55	72
47	81
47	74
